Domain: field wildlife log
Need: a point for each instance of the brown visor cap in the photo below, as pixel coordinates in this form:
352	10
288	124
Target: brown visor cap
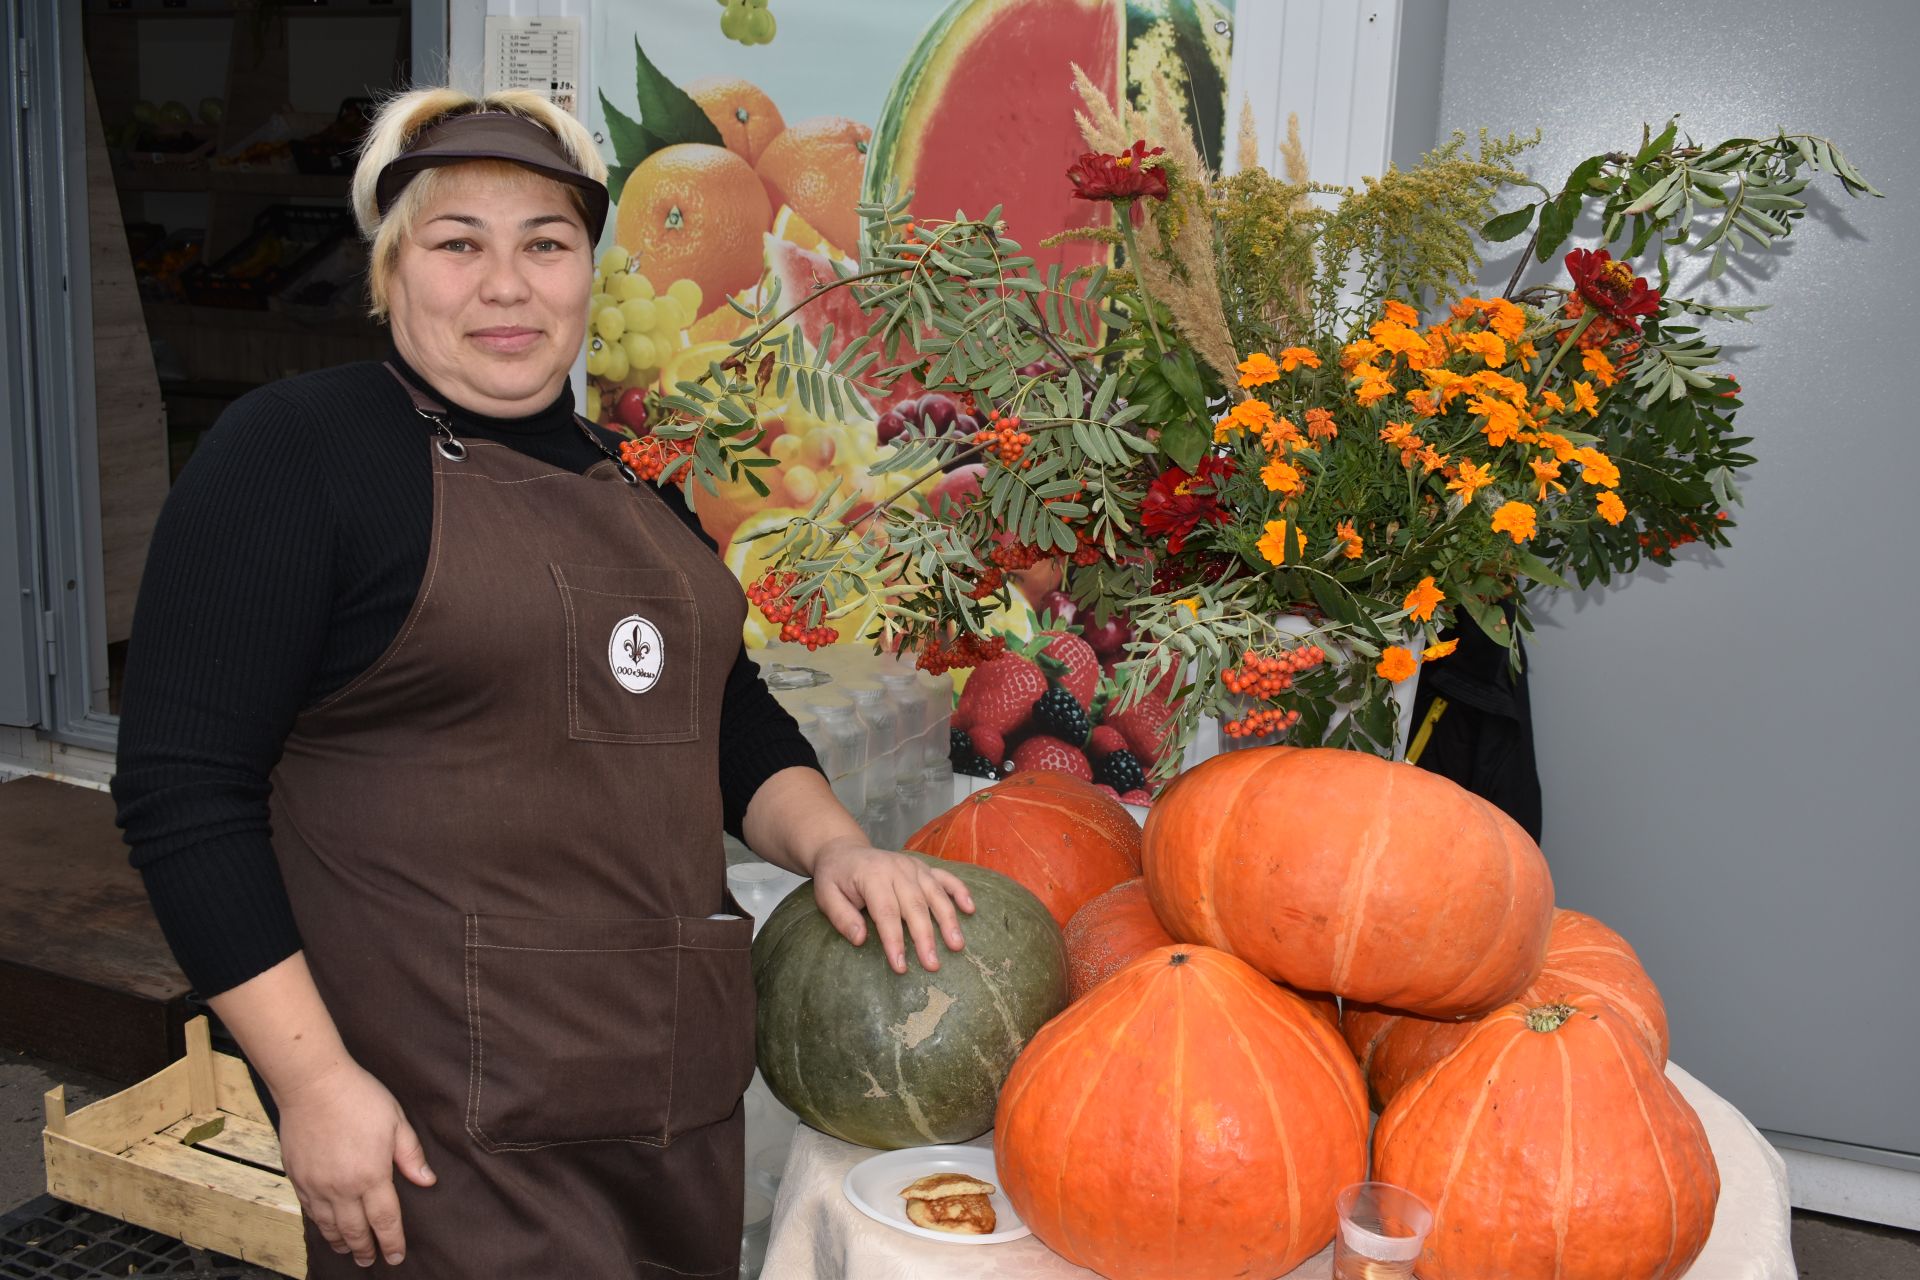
491	135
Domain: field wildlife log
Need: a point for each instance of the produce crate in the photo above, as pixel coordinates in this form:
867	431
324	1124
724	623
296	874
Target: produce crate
285	241
187	1152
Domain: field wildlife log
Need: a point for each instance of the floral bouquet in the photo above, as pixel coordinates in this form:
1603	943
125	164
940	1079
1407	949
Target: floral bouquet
1279	448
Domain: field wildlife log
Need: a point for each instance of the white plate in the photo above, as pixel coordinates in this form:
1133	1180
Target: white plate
874	1187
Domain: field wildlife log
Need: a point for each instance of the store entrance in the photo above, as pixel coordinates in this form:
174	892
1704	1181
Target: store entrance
220	144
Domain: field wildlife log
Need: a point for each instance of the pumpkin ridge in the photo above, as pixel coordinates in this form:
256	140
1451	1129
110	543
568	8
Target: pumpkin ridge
1181	992
1653	1132
1086	1095
1473	1121
1318	1048
1354	895
1281	1135
1215	933
1494	955
1563	1193
999	1005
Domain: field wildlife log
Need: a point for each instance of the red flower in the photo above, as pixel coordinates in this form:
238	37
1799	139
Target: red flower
1611	286
1123	177
1176	502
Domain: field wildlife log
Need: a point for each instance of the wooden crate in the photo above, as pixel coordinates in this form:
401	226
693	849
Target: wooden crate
187	1152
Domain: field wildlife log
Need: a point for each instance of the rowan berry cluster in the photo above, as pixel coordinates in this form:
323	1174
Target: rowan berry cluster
771	595
1004	437
649	456
968	650
1260	723
1262	676
990	581
1015	555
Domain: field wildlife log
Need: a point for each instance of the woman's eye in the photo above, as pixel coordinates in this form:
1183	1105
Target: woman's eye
549	246
457	246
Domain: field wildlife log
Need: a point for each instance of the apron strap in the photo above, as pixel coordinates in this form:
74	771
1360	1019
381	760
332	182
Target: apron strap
451	448
434	412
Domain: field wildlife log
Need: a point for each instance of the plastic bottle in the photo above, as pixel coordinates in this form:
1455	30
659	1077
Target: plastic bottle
939	789
876	712
847	740
938	691
910	707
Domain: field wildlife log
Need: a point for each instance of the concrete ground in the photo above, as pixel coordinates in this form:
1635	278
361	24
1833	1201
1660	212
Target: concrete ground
1824	1248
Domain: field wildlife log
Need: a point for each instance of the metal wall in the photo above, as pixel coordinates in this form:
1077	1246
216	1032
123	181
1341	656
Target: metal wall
1727	746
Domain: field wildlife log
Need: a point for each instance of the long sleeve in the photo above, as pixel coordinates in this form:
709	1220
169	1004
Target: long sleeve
228	632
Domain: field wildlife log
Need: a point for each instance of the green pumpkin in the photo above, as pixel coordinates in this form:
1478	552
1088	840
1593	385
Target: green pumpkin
903	1060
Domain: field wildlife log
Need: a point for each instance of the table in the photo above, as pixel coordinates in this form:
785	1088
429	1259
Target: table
817	1235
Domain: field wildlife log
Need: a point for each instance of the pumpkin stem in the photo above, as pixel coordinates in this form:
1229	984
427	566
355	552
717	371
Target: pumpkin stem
1548	1017
1178	957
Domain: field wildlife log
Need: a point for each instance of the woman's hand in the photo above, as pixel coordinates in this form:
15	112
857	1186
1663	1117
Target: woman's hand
849	875
341	1137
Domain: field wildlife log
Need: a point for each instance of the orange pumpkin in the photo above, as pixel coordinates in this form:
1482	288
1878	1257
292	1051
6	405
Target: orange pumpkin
1061	838
1186	1120
1341	872
1583	956
1551	1147
1109	933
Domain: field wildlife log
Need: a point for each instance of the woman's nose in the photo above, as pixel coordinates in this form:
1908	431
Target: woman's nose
504	280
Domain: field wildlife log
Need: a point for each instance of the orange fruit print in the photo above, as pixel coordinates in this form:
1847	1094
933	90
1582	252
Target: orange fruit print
816	167
695	212
741	111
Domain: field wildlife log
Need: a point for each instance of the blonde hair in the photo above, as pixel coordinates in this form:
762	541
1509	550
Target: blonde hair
400	120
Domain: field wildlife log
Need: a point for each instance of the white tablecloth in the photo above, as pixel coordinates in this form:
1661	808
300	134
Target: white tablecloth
818	1235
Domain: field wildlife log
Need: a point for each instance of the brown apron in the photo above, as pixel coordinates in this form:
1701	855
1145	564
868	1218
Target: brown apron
502	845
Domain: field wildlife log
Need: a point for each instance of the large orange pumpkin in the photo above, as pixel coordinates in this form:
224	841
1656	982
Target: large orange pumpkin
1186	1120
1109	933
1061	838
1551	1146
1341	872
1583	956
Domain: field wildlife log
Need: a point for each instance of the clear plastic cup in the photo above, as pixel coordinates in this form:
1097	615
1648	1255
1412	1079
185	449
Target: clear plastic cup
1381	1232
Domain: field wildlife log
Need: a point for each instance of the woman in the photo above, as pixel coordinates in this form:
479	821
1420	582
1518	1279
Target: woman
486	698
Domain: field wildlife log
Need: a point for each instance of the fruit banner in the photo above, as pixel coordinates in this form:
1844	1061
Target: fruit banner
741	137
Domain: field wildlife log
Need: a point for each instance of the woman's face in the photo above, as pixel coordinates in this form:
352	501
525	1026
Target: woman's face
488	298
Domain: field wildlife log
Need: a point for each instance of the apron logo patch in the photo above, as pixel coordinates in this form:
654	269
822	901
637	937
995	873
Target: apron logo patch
635	652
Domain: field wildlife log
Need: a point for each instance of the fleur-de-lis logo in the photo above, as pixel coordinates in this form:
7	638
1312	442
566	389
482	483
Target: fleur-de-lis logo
635	651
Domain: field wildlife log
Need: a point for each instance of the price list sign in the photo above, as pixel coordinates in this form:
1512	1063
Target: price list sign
540	54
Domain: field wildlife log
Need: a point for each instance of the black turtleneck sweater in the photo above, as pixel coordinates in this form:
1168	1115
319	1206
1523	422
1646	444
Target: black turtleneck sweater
284	563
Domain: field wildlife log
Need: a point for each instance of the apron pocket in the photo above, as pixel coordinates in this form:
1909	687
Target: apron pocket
604	1030
633	654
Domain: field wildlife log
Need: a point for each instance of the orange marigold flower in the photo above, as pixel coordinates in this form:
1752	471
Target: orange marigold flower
1597	468
1421	600
1399	434
1350	544
1282	476
1440	650
1191	604
1552	401
1547	476
1527	353
1396	664
1471	480
1515	519
1424	403
1401	313
1257	370
1499	384
1431	460
1597	364
1503	420
1374	387
1561	447
1281	434
1320	424
1358	352
1445	382
1273	543
1294	357
1583	398
1611	509
1487	346
1505	318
